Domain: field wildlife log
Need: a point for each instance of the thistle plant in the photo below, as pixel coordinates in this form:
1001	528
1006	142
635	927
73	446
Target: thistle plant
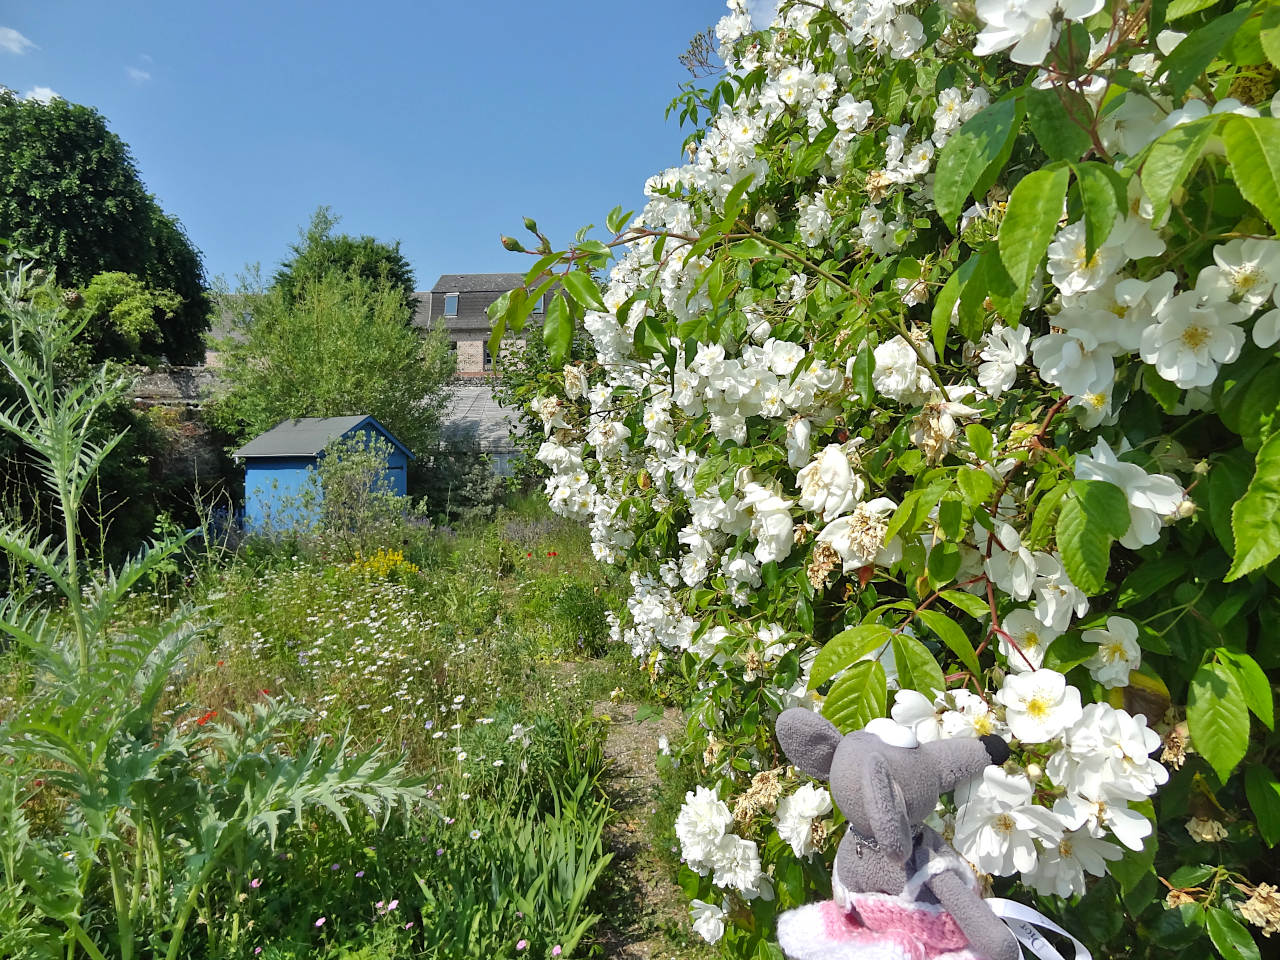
159	814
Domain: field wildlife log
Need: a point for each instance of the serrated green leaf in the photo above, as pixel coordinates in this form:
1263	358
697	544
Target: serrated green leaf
557	331
950	633
845	649
1218	717
1193	55
857	698
1172	158
917	670
969	152
944	560
1094	514
1192	875
1030	221
1253	683
1255	518
1253	149
583	289
1231	938
1263	790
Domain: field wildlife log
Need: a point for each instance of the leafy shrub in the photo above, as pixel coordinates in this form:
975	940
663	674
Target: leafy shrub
150	809
939	384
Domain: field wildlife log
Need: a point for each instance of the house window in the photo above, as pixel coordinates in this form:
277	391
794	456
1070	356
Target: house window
450	304
537	305
453	349
488	358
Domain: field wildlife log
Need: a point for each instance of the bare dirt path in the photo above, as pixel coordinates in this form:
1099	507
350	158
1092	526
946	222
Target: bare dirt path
647	917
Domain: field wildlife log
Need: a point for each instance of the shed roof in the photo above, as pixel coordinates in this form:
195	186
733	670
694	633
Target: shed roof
478	282
308	436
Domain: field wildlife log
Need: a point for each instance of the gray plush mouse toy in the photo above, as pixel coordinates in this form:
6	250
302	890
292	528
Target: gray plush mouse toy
900	891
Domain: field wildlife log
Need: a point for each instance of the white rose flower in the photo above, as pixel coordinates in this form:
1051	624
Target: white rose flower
859	537
997	824
1118	652
795	815
1152	496
700	825
1027	640
828	485
1039	706
708	920
1004	349
1191	340
1061	868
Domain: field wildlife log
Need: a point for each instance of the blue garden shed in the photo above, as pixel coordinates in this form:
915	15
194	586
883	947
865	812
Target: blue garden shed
279	468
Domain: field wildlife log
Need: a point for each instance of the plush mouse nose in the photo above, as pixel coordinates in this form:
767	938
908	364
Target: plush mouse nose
997	749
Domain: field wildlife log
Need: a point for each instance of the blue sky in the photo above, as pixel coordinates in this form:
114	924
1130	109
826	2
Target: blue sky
440	125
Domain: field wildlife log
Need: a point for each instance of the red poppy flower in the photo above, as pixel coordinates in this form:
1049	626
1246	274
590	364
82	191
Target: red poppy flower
206	718
552	553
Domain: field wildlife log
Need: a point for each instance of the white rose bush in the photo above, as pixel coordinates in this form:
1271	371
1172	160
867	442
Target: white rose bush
939	388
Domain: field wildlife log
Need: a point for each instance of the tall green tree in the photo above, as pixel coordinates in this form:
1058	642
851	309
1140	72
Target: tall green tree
320	250
338	346
70	194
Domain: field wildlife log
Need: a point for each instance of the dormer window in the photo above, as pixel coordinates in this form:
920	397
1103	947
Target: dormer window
537	305
450	304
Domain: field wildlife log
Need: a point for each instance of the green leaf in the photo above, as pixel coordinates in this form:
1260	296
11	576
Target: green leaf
1166	392
1263	790
557	330
917	669
1218	717
583	289
950	633
976	485
1172	158
750	249
1254	683
864	366
1129	870
975	607
1194	54
1153	575
1030	221
980	442
846	648
1098	198
1058	135
1231	938
857	698
733	202
968	153
1255	519
945	303
944	559
1229	476
1253	148
1180	8
1092	517
1192	875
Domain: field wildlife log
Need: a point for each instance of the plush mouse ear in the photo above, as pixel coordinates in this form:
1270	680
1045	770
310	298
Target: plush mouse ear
962	758
809	741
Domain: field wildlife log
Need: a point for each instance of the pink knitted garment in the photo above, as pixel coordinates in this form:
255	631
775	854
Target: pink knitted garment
879	927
